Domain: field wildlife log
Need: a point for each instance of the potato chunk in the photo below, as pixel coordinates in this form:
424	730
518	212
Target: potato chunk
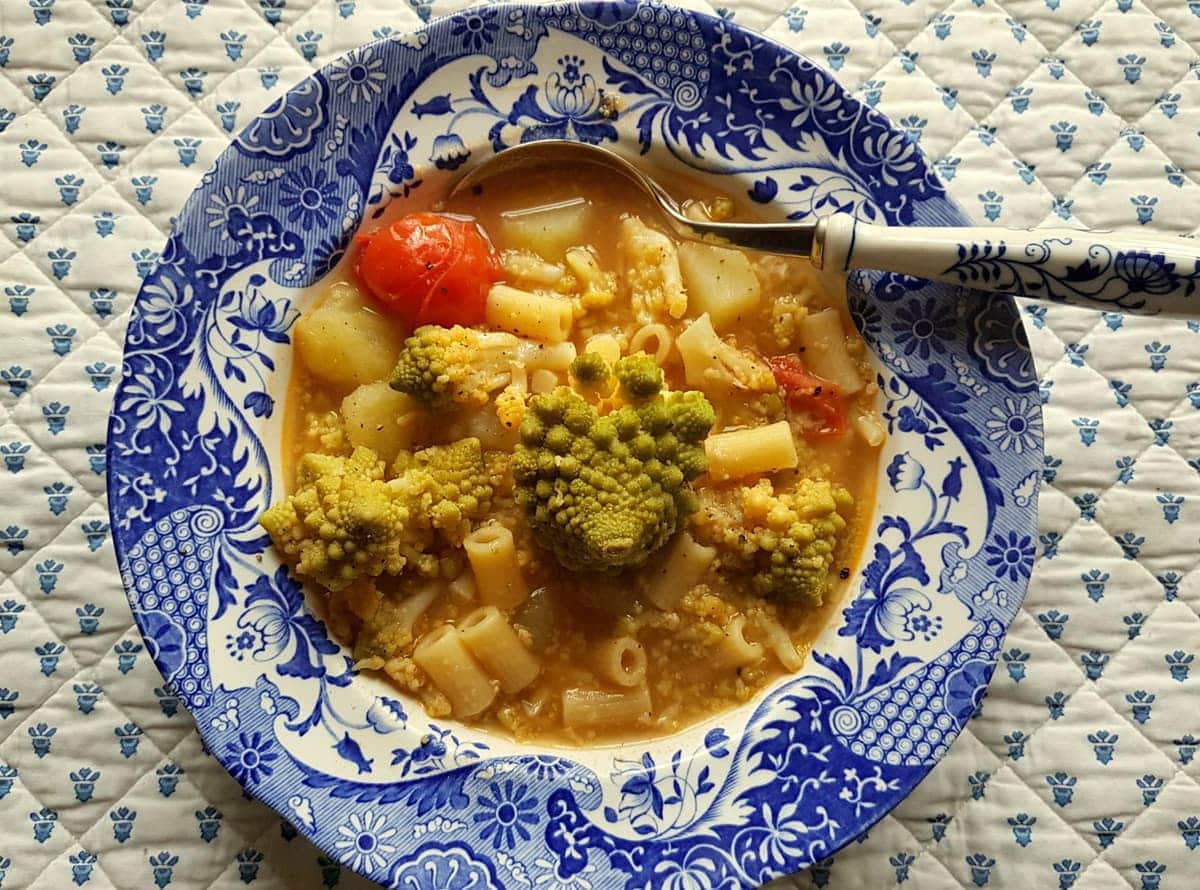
377	416
548	230
346	343
720	282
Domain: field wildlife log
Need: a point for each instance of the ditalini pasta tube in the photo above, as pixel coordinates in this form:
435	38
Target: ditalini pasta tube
528	314
444	657
751	452
734	649
497	647
655	340
682	570
589	708
493	556
622	661
825	353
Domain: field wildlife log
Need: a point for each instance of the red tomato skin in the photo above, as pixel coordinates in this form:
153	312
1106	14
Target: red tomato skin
808	393
429	268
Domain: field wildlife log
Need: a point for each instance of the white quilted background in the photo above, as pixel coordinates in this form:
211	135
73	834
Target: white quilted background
1080	771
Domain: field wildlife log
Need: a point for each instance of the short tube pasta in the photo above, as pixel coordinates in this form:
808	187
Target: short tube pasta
779	642
824	343
735	649
684	566
555	357
751	452
493	556
606	346
654	340
444	657
527	314
592	708
495	645
622	660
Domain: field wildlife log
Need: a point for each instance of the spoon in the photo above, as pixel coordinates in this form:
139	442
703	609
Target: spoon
1144	274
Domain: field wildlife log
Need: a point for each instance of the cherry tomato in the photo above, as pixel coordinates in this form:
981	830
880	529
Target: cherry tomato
429	268
807	393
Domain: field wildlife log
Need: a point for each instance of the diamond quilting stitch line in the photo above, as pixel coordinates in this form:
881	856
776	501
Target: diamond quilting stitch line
943	837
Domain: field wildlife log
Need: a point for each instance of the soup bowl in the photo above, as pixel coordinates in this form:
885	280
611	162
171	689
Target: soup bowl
195	456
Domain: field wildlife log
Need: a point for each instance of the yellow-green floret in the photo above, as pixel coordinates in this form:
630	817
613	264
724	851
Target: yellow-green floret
346	521
590	372
441	367
783	541
451	485
604	492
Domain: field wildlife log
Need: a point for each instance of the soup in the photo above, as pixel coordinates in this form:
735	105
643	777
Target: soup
624	496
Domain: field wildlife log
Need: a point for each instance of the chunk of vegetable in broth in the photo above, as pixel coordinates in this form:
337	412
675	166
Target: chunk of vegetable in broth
344	342
381	419
547	230
720	282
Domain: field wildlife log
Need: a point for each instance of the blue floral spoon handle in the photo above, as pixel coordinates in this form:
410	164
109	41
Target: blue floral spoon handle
1136	273
1096	270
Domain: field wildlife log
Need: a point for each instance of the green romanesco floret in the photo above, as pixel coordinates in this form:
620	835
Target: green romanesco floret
590	372
638	376
442	367
345	521
603	492
451	485
785	541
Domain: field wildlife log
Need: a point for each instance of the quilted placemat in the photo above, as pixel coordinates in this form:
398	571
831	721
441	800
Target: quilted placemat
1080	769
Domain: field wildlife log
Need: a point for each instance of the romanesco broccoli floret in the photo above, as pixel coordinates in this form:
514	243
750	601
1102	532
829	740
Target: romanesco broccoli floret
638	376
345	521
441	367
451	485
785	541
603	492
590	372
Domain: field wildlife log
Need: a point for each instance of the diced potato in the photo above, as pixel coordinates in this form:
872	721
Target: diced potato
346	343
377	416
825	353
548	230
720	282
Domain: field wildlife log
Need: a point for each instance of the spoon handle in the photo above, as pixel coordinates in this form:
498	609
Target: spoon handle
1143	274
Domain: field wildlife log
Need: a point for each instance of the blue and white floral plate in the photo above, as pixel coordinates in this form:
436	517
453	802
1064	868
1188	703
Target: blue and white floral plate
194	450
